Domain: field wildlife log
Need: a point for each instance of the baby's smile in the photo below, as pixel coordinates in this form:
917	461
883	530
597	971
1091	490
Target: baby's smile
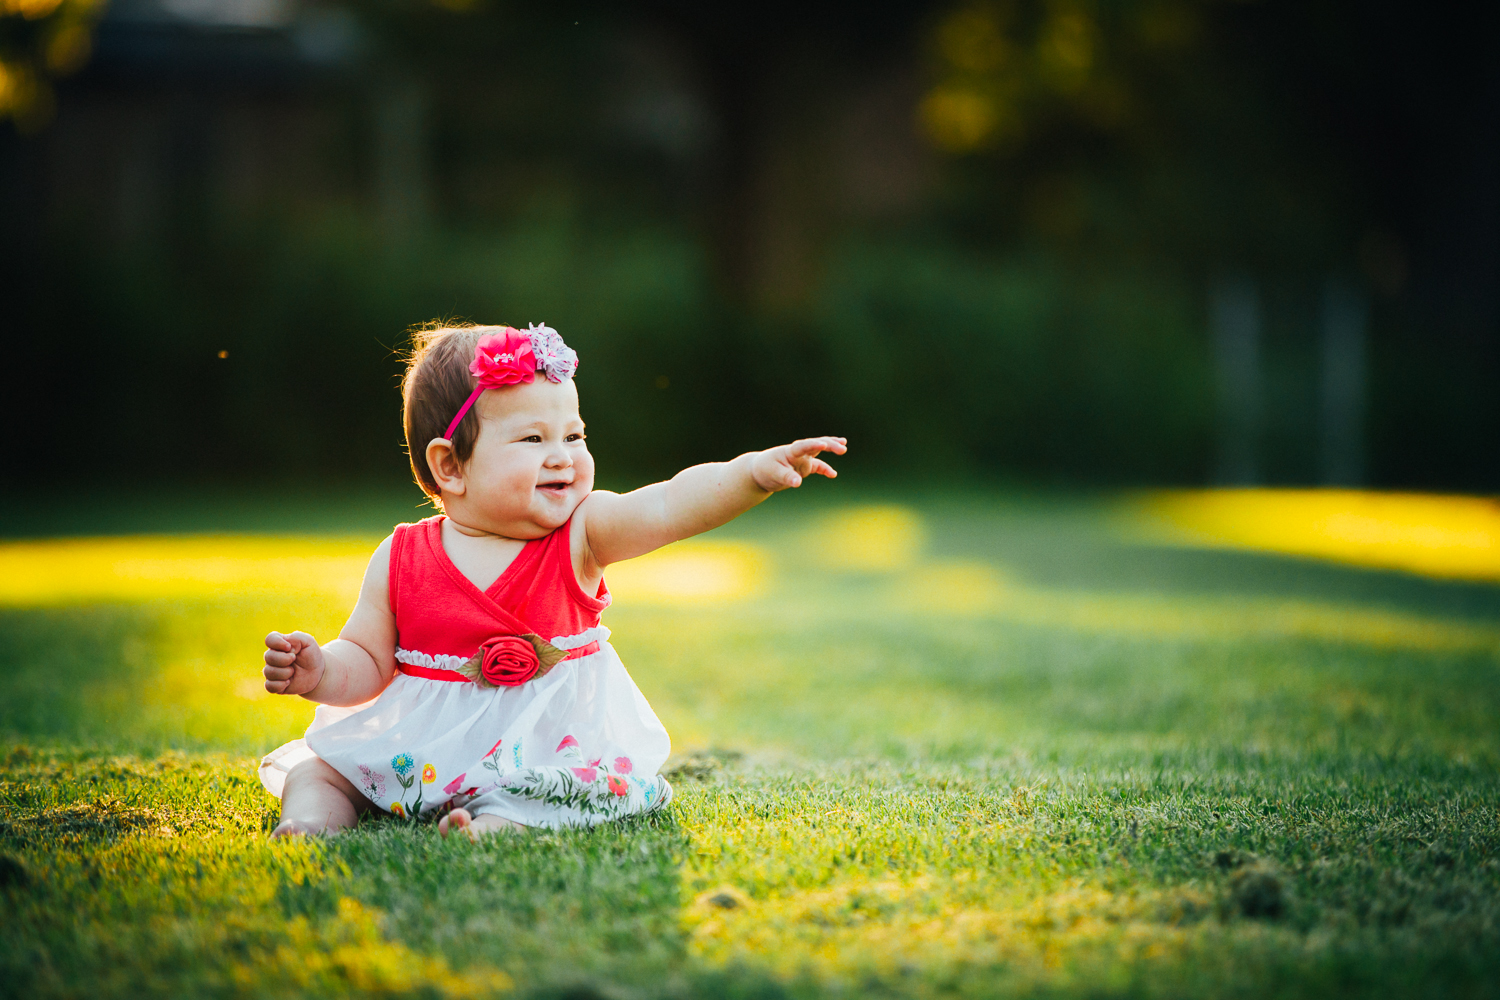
555	488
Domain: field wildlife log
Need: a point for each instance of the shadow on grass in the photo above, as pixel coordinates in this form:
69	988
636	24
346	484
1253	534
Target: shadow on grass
70	671
556	909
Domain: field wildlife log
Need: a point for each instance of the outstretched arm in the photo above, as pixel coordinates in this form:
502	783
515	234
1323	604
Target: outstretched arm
622	526
351	669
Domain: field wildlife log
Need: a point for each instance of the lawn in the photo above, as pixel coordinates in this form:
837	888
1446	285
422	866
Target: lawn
962	746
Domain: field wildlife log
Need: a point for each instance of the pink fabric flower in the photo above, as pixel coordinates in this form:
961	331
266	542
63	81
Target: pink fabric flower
496	746
567	741
587	775
453	785
623	765
503	358
617	785
508	660
554	358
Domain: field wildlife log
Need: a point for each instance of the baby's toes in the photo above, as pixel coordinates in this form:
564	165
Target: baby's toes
488	825
458	819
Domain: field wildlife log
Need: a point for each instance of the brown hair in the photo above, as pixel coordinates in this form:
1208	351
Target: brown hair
435	387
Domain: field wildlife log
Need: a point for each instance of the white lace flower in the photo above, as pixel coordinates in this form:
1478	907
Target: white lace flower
553	357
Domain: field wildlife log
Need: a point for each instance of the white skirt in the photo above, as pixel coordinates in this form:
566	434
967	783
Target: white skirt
577	747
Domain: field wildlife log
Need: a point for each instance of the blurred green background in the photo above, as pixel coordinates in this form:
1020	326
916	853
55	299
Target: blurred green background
1080	241
977	720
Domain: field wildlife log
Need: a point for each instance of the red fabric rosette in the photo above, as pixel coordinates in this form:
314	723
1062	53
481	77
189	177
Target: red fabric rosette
508	660
511	660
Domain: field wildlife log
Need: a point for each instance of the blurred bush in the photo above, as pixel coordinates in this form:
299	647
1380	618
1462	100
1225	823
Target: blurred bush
973	236
275	353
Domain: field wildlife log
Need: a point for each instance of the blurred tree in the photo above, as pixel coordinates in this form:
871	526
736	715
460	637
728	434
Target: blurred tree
1043	189
1134	128
770	76
41	40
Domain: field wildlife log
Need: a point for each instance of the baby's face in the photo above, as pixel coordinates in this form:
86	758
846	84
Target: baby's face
531	466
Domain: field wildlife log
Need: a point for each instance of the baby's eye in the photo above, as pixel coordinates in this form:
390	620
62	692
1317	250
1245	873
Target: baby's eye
574	437
533	439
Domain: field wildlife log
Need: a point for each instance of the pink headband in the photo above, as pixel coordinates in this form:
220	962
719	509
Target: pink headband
513	357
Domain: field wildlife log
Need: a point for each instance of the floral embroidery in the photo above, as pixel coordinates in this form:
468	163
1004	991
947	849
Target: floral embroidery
515	753
492	759
372	783
584	785
429	774
563	787
404	763
454	785
396	810
648	788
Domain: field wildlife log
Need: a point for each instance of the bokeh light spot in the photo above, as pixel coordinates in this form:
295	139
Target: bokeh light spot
1441	536
690	572
878	538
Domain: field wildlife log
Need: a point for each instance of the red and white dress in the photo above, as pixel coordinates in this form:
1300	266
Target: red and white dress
575	747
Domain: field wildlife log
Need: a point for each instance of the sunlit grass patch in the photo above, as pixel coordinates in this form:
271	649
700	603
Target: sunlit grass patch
934	754
692	572
128	876
1442	536
887	925
145	567
1185	877
967	589
873	538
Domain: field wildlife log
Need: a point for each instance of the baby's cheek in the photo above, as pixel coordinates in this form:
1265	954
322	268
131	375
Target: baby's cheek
583	465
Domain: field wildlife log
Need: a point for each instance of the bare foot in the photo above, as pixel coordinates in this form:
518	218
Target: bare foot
291	828
474	826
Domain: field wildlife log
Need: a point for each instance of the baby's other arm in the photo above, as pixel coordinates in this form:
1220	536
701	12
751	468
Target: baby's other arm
351	669
622	526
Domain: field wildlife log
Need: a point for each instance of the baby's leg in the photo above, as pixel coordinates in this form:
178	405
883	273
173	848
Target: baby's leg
475	826
318	799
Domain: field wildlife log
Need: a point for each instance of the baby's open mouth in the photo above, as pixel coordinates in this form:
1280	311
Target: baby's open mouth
554	487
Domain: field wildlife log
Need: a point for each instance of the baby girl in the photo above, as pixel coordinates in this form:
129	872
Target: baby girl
473	676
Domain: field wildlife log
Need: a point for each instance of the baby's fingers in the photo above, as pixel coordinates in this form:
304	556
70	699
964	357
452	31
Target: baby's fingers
280	658
811	446
277	678
819	467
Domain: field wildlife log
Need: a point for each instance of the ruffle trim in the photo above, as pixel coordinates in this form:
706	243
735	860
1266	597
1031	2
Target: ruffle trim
443	661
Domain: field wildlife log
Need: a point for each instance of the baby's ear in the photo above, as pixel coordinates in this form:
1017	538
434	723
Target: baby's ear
446	469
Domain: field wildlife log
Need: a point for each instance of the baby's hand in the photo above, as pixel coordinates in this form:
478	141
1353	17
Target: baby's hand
294	663
779	468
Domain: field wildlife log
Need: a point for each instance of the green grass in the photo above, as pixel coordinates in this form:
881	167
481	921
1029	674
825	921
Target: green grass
1034	758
